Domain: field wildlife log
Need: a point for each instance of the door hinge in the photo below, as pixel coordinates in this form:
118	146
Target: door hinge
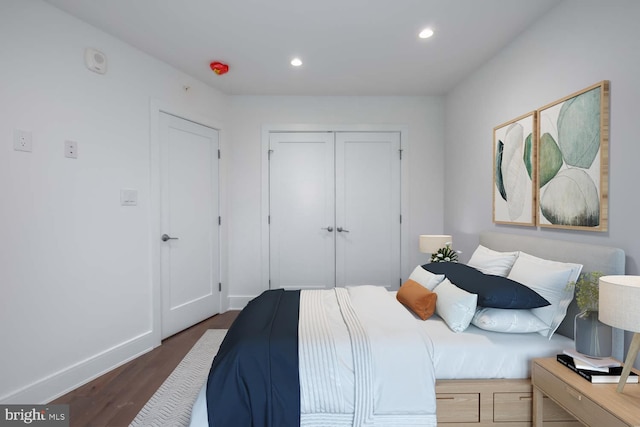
219	154
219	286
219	220
400	281
269	154
400	218
269	219
400	150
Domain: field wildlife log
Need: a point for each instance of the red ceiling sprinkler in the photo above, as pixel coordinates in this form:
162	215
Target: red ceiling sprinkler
219	68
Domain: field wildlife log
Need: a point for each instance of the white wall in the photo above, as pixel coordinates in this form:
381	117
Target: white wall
577	44
423	119
75	269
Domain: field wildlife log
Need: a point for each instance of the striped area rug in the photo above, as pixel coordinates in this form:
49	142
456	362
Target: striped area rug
171	403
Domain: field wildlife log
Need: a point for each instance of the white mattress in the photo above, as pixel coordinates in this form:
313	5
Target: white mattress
476	353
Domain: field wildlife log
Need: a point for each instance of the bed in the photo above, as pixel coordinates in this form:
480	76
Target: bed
354	366
501	402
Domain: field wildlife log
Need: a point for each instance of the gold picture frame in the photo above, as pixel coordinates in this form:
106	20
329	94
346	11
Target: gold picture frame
573	161
514	171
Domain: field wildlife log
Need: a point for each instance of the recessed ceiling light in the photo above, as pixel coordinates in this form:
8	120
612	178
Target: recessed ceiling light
296	62
426	33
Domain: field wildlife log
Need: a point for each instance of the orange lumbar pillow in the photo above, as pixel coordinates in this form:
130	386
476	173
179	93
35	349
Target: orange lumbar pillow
417	298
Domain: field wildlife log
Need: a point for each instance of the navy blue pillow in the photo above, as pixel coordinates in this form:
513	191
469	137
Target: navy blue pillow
493	291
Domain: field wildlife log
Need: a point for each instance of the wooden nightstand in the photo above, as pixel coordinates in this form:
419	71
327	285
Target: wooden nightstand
594	405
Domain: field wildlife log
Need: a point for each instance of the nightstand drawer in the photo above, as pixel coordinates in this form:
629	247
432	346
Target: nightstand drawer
572	400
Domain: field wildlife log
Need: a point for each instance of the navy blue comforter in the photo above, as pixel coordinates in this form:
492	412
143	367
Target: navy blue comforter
253	380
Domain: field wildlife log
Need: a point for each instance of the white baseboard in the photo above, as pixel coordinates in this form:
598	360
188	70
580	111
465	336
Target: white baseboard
238	302
59	383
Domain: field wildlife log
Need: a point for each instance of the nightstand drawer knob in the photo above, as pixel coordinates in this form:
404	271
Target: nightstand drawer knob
573	393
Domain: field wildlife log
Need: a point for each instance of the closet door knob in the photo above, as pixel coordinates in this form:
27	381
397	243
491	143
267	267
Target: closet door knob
329	229
342	230
166	237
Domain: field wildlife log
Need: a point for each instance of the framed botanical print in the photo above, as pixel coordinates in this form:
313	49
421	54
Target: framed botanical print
573	160
514	171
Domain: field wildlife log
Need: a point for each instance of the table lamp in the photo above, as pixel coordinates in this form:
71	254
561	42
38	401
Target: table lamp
619	306
430	243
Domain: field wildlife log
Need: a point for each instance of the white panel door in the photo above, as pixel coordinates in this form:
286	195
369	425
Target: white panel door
189	223
301	210
334	209
368	209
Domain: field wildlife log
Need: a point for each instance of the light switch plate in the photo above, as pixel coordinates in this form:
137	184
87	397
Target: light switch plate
128	197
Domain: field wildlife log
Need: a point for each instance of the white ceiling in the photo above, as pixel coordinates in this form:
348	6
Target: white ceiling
349	47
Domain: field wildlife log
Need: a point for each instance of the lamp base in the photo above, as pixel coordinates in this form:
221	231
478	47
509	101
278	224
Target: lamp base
628	363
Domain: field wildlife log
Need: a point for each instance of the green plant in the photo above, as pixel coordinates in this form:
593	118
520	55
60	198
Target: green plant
445	254
587	290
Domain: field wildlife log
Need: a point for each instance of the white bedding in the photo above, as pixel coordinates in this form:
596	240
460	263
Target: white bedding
360	368
363	361
480	354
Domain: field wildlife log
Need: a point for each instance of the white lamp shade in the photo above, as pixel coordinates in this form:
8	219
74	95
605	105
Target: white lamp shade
619	302
430	243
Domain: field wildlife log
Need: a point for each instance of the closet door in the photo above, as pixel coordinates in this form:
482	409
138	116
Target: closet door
334	209
368	209
301	210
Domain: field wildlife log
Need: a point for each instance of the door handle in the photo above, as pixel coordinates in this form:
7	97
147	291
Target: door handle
166	237
329	228
342	230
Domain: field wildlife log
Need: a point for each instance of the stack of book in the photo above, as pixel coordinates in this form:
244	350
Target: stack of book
598	370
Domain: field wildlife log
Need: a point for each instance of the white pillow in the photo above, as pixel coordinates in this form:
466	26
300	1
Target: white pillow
549	279
426	278
456	306
492	262
508	320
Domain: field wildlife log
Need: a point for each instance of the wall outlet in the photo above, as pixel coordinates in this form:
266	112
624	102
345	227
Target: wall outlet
22	140
71	149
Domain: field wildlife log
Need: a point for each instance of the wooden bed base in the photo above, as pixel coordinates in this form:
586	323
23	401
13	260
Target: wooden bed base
497	403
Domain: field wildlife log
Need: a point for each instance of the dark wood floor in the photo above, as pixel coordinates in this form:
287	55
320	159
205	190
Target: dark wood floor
115	398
